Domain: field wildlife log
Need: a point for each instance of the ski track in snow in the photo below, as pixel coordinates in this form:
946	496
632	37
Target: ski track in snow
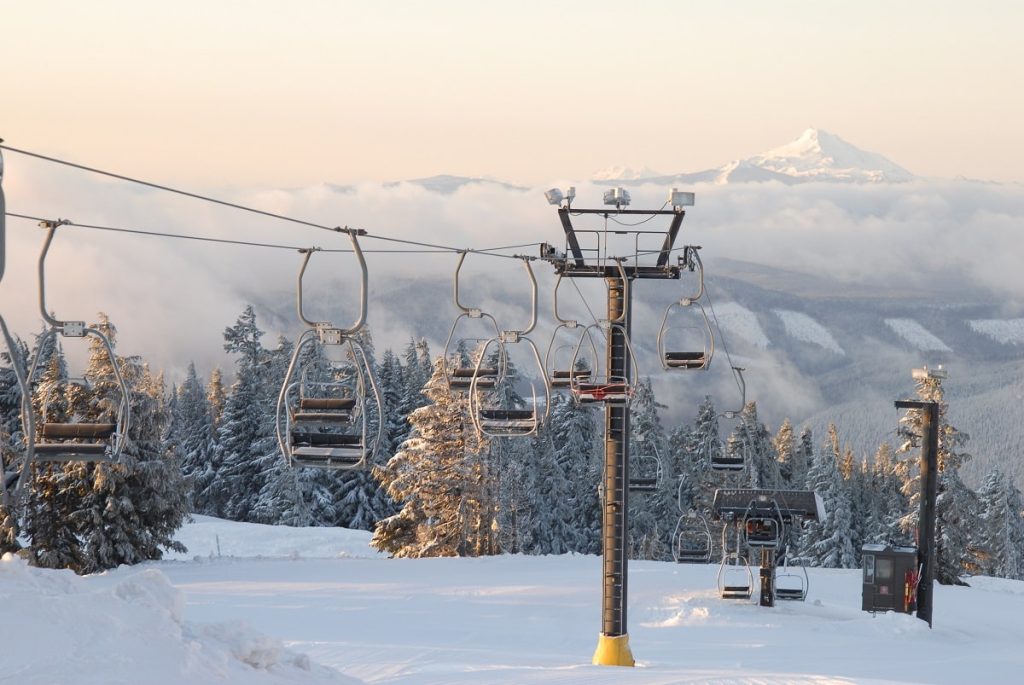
739	320
1006	331
317	606
802	327
917	335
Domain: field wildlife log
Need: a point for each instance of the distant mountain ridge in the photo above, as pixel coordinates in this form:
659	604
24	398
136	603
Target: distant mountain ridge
816	155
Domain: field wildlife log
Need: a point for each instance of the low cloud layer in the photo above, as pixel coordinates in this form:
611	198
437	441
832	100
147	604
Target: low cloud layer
172	299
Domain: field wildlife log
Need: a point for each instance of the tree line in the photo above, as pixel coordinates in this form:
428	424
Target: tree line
438	488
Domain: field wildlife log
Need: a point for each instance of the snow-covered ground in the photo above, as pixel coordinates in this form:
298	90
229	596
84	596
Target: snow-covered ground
1006	331
916	335
285	605
802	327
738	320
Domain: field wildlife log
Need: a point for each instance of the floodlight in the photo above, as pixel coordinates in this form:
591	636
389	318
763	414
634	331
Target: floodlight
616	196
571	193
926	373
678	198
554	196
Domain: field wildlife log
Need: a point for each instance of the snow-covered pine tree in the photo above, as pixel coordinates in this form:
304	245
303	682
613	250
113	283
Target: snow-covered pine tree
884	498
216	398
392	388
1002	536
191	430
236	483
752	439
803	456
436	479
652	515
574	435
120	513
55	491
829	542
785	446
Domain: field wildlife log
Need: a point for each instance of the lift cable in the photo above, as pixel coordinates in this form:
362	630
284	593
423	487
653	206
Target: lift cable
253	210
207	239
721	332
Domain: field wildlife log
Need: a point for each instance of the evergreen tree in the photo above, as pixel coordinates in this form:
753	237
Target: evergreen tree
576	443
191	430
93	516
785	446
829	542
752	439
216	398
1002	535
243	431
650	513
436	478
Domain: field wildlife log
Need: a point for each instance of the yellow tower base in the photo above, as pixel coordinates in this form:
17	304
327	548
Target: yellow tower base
613	651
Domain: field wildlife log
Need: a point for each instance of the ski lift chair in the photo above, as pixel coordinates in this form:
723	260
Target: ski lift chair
75	441
688	347
763	526
735	578
721	459
560	368
691	540
595	388
648	473
790	585
328	430
497	421
558	363
459	376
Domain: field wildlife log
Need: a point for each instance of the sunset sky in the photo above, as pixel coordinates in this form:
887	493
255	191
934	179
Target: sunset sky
261	92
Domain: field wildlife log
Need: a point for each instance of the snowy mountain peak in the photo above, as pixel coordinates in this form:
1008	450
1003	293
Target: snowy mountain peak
820	155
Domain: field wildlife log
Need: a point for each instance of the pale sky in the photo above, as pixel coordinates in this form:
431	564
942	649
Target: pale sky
272	93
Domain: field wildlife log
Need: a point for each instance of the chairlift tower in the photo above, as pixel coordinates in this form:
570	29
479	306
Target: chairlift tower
586	255
929	466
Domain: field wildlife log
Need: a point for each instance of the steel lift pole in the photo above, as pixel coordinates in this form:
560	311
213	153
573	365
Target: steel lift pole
929	496
613	643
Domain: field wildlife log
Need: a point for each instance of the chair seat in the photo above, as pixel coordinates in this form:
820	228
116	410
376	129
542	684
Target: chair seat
71	451
507	414
601	392
319	417
326	439
683	356
67	431
685	360
727	463
320	457
335	403
471	371
570	374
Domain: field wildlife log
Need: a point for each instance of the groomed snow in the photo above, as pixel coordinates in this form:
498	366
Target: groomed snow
802	327
1006	331
916	335
738	320
353	616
